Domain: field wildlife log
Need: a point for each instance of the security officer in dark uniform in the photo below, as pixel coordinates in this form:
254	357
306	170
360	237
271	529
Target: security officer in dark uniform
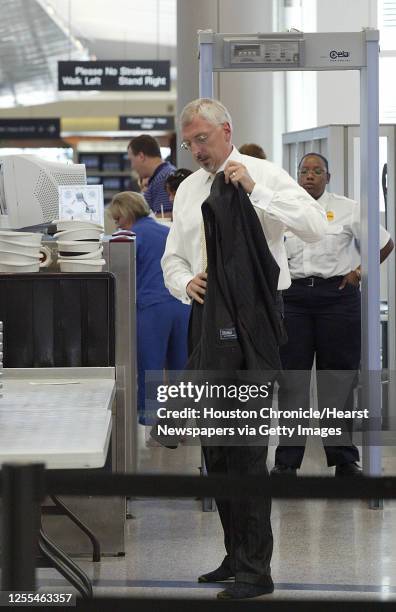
322	314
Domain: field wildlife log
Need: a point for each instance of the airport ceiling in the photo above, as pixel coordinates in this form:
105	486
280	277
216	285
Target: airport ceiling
35	34
149	21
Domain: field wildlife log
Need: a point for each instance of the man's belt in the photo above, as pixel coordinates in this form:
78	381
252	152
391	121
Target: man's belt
312	281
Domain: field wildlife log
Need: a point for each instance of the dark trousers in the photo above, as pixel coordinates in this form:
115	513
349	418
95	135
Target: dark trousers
323	321
246	522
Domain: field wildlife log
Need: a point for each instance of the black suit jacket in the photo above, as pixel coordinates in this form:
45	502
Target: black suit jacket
234	336
239	326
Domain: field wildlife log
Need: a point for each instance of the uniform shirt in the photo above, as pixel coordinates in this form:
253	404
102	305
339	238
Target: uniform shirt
338	252
156	194
280	204
150	244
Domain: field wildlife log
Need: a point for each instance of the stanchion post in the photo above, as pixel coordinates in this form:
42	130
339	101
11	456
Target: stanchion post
23	487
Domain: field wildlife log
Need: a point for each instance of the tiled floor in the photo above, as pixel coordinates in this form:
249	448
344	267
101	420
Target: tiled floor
322	549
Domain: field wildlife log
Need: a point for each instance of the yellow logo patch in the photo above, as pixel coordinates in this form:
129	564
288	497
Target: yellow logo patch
330	215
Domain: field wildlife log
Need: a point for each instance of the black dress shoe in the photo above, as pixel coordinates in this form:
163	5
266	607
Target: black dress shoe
218	575
348	469
279	470
244	590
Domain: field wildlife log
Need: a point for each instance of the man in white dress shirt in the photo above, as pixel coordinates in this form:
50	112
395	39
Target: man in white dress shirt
281	204
322	317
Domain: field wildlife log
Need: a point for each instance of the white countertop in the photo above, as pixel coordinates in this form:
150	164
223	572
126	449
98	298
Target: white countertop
62	421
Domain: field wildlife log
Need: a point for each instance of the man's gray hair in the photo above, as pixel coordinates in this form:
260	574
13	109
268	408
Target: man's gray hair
209	109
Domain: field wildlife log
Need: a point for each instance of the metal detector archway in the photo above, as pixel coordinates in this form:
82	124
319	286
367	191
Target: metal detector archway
327	51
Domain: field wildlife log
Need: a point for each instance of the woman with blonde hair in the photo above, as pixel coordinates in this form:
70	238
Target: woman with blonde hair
161	319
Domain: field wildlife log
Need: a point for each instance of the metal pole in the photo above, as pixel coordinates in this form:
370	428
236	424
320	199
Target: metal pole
121	259
22	493
206	91
205	63
369	189
391	264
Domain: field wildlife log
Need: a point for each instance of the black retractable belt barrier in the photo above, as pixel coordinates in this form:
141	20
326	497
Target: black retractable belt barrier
98	483
134	604
22	492
22	488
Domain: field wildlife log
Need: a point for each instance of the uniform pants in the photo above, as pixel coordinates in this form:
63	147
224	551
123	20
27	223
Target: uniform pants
162	331
323	321
246	522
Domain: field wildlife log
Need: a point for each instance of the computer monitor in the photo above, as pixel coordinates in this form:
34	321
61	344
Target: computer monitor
29	189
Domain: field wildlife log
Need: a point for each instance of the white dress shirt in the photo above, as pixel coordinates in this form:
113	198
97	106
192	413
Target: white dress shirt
338	252
280	204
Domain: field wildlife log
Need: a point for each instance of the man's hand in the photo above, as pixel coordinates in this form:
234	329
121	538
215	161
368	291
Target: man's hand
237	173
352	278
196	288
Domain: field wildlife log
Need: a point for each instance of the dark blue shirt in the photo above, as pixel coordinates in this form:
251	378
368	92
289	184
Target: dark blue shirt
156	194
150	245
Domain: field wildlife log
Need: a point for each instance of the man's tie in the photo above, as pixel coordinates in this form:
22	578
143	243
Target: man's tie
204	255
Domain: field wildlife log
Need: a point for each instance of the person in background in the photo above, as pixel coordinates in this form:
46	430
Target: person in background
173	181
145	156
322	315
254	150
280	204
161	320
172	157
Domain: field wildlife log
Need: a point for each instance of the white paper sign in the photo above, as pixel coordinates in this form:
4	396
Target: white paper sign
82	202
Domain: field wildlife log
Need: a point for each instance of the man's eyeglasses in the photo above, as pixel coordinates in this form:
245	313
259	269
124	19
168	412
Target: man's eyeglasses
198	140
316	171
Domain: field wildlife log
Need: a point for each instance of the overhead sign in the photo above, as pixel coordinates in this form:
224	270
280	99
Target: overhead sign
29	128
114	76
145	124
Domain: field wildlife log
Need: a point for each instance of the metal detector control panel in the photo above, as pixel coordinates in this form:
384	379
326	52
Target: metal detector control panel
274	52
